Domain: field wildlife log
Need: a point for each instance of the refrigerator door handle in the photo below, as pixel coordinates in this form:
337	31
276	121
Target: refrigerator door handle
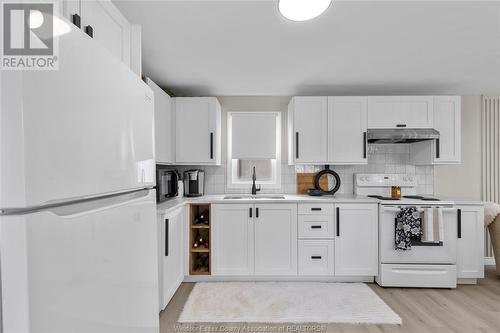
89	206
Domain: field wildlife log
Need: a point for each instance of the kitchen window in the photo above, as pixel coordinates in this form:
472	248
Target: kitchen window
253	140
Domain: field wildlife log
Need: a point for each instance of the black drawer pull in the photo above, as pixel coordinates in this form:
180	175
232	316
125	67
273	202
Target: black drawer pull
315	257
401	125
257	212
338	221
315	227
211	145
364	144
459	223
297	145
438	153
316	209
89	31
166	237
250	211
76	20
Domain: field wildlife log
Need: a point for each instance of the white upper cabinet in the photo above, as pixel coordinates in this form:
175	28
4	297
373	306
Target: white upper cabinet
347	125
356	241
307	130
470	243
447	121
164	124
400	112
101	20
276	239
197	131
232	239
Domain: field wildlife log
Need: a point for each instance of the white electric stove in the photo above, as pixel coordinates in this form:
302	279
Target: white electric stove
425	265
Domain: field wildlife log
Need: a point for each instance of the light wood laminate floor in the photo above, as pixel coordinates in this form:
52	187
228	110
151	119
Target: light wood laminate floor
467	309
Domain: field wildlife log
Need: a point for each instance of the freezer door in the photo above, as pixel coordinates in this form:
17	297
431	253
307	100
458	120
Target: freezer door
89	267
83	130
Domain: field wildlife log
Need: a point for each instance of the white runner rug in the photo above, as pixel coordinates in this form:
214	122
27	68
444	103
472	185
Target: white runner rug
286	302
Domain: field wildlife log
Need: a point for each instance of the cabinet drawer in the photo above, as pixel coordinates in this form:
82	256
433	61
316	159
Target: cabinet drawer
316	257
315	208
316	226
418	276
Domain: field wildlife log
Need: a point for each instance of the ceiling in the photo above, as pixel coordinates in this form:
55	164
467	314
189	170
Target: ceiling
235	47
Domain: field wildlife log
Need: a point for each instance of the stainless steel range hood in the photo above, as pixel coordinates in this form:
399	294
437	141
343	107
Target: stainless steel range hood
401	135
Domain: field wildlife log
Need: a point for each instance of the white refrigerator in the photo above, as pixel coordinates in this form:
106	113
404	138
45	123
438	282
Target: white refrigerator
78	246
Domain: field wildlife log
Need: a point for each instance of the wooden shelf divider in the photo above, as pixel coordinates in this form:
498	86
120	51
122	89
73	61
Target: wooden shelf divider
201	253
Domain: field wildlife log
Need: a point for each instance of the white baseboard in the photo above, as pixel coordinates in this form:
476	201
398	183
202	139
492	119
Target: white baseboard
489	261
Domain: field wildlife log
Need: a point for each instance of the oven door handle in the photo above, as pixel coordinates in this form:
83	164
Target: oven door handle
398	209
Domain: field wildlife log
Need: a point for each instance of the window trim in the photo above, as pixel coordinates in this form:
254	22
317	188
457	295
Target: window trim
232	165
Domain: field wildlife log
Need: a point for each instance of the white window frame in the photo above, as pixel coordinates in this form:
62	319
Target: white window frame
231	166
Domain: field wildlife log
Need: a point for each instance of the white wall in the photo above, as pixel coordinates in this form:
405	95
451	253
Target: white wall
464	180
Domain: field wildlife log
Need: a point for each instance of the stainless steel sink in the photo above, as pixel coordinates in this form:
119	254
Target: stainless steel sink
252	197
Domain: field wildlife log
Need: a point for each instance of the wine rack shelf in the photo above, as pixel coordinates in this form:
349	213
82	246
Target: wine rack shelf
199	238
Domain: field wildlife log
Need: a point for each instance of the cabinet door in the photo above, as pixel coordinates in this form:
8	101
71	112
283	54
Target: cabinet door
197	130
275	239
232	239
110	28
400	112
70	8
309	134
164	127
470	251
447	121
356	242
347	124
170	254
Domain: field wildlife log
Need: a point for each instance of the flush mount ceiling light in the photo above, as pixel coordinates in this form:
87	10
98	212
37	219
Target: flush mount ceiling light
302	10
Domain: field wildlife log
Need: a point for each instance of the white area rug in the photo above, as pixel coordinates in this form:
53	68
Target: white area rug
286	302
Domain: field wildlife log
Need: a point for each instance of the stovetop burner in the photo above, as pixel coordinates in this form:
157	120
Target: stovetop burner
415	197
380	197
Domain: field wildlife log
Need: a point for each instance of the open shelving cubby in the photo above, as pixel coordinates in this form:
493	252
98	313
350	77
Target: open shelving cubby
199	229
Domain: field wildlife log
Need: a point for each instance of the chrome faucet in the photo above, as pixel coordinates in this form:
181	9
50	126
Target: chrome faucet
254	188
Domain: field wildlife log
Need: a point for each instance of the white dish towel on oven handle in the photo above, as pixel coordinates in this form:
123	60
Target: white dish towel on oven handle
432	225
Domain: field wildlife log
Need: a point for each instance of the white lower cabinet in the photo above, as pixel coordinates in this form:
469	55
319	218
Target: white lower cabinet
254	239
232	239
170	257
316	257
470	243
356	241
275	239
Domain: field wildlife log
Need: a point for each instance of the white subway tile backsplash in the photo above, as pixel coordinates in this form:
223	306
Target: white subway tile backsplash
382	158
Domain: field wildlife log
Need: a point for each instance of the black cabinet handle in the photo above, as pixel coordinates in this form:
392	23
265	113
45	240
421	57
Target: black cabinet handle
257	212
89	31
211	145
250	211
459	223
437	149
315	257
401	125
338	221
364	144
166	237
316	209
75	18
296	144
315	227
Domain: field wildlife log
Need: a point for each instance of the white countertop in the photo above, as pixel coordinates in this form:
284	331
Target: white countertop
338	198
219	198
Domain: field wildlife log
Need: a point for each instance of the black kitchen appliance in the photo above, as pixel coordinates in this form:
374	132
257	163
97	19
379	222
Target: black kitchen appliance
166	183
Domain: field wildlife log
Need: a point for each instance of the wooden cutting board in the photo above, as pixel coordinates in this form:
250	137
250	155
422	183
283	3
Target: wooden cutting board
305	181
